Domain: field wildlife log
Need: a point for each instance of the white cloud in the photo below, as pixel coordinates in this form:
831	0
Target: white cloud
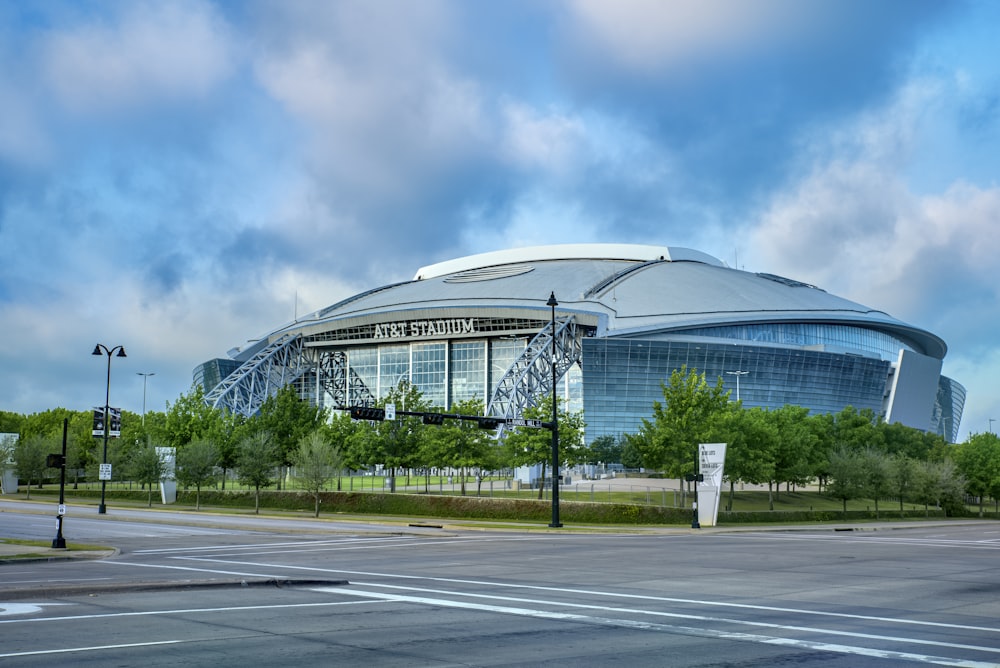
152	52
648	34
537	140
22	139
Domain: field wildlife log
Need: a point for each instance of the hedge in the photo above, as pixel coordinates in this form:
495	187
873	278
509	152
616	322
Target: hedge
486	508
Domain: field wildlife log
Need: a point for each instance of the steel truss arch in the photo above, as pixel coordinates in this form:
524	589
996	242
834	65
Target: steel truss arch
244	391
528	381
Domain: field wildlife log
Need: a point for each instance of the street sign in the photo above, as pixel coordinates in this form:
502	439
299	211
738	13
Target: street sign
390	411
520	422
62	509
104	472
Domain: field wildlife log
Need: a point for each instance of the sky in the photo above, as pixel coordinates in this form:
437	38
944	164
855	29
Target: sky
181	176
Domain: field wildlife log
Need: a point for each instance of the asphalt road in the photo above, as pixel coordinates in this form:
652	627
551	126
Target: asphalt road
404	596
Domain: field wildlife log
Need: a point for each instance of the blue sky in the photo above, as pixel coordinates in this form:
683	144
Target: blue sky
180	176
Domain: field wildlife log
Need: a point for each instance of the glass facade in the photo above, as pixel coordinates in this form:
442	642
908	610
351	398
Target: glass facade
364	363
948	407
622	377
466	371
447	373
429	370
809	334
393	367
211	373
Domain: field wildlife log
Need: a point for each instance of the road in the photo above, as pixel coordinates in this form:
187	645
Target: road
408	596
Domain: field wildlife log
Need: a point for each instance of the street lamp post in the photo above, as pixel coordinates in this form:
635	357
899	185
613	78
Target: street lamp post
737	374
144	377
101	349
555	421
991	424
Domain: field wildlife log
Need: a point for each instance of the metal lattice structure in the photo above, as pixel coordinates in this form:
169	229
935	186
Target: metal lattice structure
244	391
342	383
528	381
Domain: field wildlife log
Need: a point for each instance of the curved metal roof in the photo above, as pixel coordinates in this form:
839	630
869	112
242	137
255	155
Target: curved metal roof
633	290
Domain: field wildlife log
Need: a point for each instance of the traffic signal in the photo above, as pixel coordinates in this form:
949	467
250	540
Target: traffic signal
488	423
367	413
55	461
433	418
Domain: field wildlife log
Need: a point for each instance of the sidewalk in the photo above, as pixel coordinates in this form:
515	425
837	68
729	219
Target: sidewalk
15	553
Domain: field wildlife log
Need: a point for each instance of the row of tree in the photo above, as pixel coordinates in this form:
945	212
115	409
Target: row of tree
773	447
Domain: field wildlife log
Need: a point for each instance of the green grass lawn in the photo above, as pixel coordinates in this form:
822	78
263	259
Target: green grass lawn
598	491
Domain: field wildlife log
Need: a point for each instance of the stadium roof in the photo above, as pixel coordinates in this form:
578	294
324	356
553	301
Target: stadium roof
625	289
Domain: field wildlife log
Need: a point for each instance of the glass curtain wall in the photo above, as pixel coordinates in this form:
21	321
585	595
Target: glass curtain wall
467	371
429	371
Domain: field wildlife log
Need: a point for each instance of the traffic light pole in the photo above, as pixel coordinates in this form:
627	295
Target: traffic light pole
59	542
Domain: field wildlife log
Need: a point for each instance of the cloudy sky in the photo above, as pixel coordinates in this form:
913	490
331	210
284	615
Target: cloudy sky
181	176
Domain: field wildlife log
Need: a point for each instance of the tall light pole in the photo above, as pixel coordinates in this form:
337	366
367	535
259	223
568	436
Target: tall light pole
991	424
144	377
737	374
101	349
555	421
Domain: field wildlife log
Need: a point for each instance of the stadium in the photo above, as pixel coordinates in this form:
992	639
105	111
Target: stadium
609	322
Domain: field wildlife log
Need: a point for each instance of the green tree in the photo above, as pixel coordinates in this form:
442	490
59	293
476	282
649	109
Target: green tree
288	419
255	463
978	461
857	430
29	458
397	442
186	419
196	466
752	440
905	472
458	444
847	478
10	423
796	449
146	468
526	446
607	449
876	471
899	439
339	432
939	483
632	451
689	415
316	463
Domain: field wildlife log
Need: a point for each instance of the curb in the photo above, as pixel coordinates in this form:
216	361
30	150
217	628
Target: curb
149	586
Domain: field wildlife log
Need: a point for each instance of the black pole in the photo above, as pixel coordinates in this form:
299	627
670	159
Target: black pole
694	504
555	422
59	542
102	509
98	349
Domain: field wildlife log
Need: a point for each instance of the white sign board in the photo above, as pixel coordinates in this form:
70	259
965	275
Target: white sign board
104	472
390	411
168	486
711	461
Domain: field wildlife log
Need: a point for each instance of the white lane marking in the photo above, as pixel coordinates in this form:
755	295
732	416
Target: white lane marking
333	545
684	630
88	649
877	540
676	615
607	594
51	580
186	568
181	611
208	548
9	609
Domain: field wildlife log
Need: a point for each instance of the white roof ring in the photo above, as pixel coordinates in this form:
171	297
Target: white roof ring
635	252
